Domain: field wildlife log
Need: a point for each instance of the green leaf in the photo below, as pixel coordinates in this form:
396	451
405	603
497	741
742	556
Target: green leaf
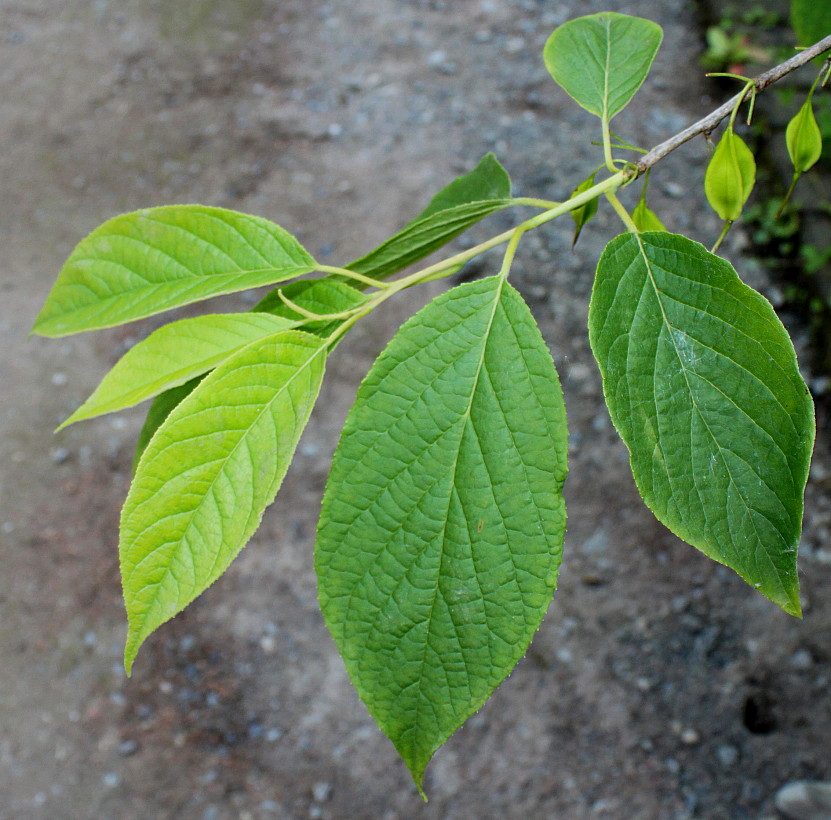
702	384
811	21
645	218
462	203
160	408
318	295
173	355
208	474
804	139
321	296
156	259
442	524
602	60
586	212
730	176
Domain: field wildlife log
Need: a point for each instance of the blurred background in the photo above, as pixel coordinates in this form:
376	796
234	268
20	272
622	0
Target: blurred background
660	686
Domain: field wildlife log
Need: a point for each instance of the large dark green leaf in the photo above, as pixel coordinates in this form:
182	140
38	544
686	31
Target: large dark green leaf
702	385
443	519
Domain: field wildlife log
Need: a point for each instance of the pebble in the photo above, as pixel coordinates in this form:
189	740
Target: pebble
727	755
690	736
111	780
801	659
60	455
805	800
322	791
128	748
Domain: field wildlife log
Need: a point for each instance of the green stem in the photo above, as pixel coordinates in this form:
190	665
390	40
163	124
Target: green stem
622	212
727	226
607	145
535	203
794	180
510	251
351	274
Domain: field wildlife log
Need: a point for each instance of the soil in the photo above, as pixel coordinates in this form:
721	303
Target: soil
659	686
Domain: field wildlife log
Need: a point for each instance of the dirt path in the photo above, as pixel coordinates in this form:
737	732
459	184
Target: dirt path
659	685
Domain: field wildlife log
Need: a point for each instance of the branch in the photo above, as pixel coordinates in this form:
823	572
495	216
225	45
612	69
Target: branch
706	124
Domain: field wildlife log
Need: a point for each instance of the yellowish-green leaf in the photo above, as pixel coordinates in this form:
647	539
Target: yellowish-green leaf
156	259
208	474
803	138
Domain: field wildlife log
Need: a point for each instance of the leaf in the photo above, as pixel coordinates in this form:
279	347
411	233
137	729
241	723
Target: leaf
442	524
804	139
812	22
730	176
322	296
462	203
173	355
208	474
702	384
645	218
152	260
602	60
160	408
319	295
586	212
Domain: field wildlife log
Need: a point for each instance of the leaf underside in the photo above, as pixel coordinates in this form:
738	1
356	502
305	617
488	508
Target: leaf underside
442	524
702	384
156	259
208	474
812	22
601	60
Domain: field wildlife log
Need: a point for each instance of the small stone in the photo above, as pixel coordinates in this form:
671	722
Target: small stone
805	800
59	379
111	780
515	45
674	189
801	659
322	791
128	748
727	755
335	129
60	455
690	736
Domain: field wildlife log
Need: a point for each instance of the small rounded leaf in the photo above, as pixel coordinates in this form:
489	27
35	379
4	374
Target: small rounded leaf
803	138
646	219
601	60
730	176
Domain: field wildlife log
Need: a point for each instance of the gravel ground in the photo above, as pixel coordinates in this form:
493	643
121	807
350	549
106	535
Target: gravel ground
659	686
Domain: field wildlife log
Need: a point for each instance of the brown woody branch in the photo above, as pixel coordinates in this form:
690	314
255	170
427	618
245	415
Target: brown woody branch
706	124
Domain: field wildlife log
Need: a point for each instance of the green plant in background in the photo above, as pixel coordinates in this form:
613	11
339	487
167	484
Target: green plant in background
443	520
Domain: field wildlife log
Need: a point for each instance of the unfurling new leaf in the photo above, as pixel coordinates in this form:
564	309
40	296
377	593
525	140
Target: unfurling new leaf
730	176
584	213
804	139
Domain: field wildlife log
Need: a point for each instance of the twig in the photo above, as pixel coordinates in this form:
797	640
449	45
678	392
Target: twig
706	124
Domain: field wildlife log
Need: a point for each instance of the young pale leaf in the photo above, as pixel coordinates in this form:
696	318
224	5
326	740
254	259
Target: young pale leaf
601	60
702	384
645	218
811	21
804	139
208	474
462	203
152	260
173	355
730	176
321	296
160	408
317	295
584	213
442	524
